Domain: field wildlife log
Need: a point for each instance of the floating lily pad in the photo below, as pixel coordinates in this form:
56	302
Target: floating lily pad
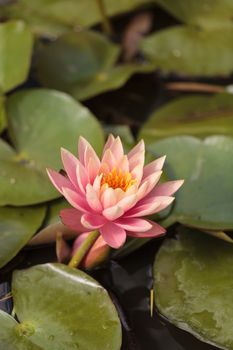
40	123
83	64
2	114
53	17
204	13
17	226
15	54
57	307
190	51
206	198
194	286
192	115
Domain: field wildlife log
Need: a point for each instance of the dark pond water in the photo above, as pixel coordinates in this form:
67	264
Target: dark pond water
129	282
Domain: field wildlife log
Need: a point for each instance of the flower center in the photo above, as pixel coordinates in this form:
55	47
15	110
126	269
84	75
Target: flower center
118	179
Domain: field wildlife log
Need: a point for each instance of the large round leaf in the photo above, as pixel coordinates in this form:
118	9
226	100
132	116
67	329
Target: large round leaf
194	286
40	123
17	226
15	54
52	17
83	64
189	51
205	13
206	198
191	115
75	57
60	308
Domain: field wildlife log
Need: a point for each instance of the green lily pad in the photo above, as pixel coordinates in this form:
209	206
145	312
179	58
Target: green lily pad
111	79
15	54
53	17
206	198
57	307
17	226
2	114
204	13
52	225
82	64
190	51
191	115
40	123
194	287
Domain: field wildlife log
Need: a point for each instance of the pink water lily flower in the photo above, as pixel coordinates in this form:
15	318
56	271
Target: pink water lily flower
113	194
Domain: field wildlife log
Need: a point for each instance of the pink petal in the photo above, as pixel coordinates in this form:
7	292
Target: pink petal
75	199
109	159
97	183
166	188
123	164
155	231
59	180
70	163
137	172
93	199
82	177
92	169
150	205
72	219
134	224
138	148
117	148
82	145
109	143
143	210
90	154
127	202
137	159
92	221
154	166
113	213
108	198
113	235
148	184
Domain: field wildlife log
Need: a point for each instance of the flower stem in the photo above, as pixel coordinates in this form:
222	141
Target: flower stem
105	20
83	249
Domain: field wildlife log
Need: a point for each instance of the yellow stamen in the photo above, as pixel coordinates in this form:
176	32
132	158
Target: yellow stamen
118	179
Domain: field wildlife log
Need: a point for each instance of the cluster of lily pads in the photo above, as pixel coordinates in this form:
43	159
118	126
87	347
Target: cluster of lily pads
49	47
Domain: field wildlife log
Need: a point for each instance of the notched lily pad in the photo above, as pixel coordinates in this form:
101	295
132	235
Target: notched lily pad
194	289
40	123
17	226
190	51
57	307
15	54
193	115
206	198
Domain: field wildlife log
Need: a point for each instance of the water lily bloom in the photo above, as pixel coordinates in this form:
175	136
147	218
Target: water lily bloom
113	194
